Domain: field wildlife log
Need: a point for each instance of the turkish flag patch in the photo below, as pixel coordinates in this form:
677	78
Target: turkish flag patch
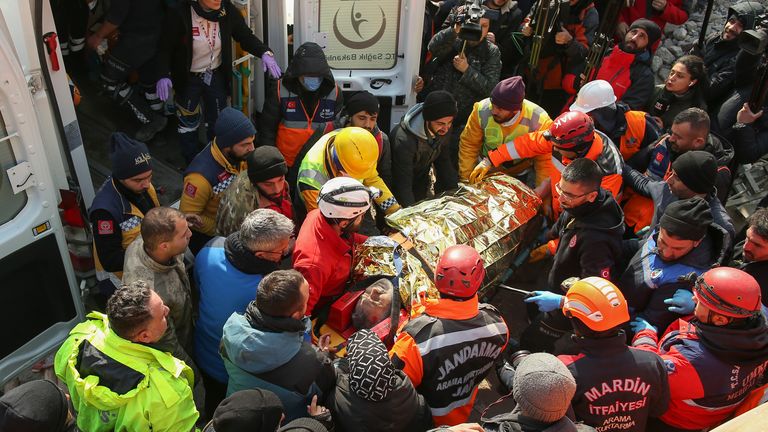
195	31
105	227
190	190
572	243
605	273
291	104
659	157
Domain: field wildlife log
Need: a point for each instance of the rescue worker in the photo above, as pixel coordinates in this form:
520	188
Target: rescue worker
139	26
660	12
362	110
305	99
751	254
572	135
264	346
118	208
686	241
420	142
449	349
627	67
116	379
212	171
262	185
350	152
499	119
227	273
617	387
631	130
329	235
685	88
714	360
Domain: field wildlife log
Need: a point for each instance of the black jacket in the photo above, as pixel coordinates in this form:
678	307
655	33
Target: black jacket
750	141
616	384
403	410
413	153
175	56
667	105
515	421
589	244
756	269
720	59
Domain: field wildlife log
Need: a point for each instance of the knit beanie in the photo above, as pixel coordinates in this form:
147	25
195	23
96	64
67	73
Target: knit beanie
232	127
362	101
697	170
687	219
35	406
543	387
304	424
247	410
509	94
129	157
371	374
651	29
439	104
264	163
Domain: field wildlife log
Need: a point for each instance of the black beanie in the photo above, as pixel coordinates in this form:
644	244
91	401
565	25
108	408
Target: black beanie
362	101
687	219
247	410
439	104
304	424
650	27
129	157
34	406
264	163
697	170
232	126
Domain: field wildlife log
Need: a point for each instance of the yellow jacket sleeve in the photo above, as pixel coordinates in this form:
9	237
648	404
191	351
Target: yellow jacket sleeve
194	199
310	198
470	144
386	201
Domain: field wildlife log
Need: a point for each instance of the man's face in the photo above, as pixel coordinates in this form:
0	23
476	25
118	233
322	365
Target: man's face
636	39
732	29
500	115
678	188
157	324
277	253
364	120
496	4
682	138
671	248
572	195
485	24
239	151
211	4
272	188
375	303
353	225
441	126
138	184
181	236
755	247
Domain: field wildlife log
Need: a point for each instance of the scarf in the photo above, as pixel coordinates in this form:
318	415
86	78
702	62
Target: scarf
210	15
273	324
243	259
371	374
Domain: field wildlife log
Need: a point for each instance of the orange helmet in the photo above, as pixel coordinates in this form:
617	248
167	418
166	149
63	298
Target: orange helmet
597	303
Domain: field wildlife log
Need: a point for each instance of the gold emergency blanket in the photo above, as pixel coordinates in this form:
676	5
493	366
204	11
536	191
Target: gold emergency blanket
486	216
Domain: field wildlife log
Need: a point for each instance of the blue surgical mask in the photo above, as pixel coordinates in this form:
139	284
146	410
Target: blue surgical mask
312	83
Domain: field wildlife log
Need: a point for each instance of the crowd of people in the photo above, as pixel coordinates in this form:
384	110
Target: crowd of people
209	317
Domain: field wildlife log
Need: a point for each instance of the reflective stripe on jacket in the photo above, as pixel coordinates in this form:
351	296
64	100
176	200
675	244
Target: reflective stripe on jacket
298	124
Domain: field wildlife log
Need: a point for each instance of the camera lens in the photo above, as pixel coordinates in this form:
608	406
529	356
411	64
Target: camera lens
517	357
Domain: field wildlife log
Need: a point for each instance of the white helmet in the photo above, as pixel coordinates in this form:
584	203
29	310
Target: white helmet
344	198
595	94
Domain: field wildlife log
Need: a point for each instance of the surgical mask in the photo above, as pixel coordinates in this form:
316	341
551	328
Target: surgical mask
312	83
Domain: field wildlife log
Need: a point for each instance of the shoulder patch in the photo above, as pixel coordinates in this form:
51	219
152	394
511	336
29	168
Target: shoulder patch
190	190
105	227
573	241
605	273
670	365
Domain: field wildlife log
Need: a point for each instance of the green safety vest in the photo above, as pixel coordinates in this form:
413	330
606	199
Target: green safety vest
532	117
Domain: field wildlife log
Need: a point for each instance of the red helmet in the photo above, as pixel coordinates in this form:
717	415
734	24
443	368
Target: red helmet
728	291
459	272
572	131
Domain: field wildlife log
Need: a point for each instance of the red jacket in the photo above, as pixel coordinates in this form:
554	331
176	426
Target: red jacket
673	13
323	258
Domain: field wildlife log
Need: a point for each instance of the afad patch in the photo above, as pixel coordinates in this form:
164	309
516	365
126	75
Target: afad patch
572	243
105	227
190	190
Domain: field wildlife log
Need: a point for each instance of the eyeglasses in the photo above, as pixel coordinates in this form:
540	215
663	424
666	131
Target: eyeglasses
567	195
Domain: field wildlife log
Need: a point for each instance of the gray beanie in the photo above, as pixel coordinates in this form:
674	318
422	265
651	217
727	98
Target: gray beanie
543	387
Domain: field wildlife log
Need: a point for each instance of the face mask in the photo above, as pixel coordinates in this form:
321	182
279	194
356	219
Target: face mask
312	83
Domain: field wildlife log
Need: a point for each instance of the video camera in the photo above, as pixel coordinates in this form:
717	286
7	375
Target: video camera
469	20
755	41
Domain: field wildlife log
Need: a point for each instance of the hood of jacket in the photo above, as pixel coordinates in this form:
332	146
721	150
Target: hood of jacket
736	344
720	147
258	350
604	214
309	59
747	12
413	121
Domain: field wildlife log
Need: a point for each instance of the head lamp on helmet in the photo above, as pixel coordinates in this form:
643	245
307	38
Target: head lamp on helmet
345	198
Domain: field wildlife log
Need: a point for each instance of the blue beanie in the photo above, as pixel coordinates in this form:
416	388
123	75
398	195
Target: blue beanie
129	157
232	127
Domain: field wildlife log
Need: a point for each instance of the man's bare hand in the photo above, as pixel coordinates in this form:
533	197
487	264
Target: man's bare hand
563	37
314	410
527	30
460	63
491	38
746	116
418	86
194	221
467	427
621	30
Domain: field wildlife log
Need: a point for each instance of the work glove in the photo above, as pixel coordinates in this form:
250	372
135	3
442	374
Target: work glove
481	169
681	302
163	88
639	324
270	65
546	301
539	253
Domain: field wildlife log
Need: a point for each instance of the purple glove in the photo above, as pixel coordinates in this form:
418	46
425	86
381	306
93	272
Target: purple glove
270	65
163	88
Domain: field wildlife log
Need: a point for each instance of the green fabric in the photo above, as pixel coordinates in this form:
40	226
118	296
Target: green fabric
312	169
162	401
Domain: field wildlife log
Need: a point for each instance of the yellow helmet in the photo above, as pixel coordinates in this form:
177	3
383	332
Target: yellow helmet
357	152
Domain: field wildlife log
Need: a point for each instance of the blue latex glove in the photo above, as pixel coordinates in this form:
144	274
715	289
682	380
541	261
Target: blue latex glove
681	302
638	324
270	65
163	88
546	301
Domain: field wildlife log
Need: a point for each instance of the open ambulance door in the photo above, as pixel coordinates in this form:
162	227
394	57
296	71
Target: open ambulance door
371	45
39	298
